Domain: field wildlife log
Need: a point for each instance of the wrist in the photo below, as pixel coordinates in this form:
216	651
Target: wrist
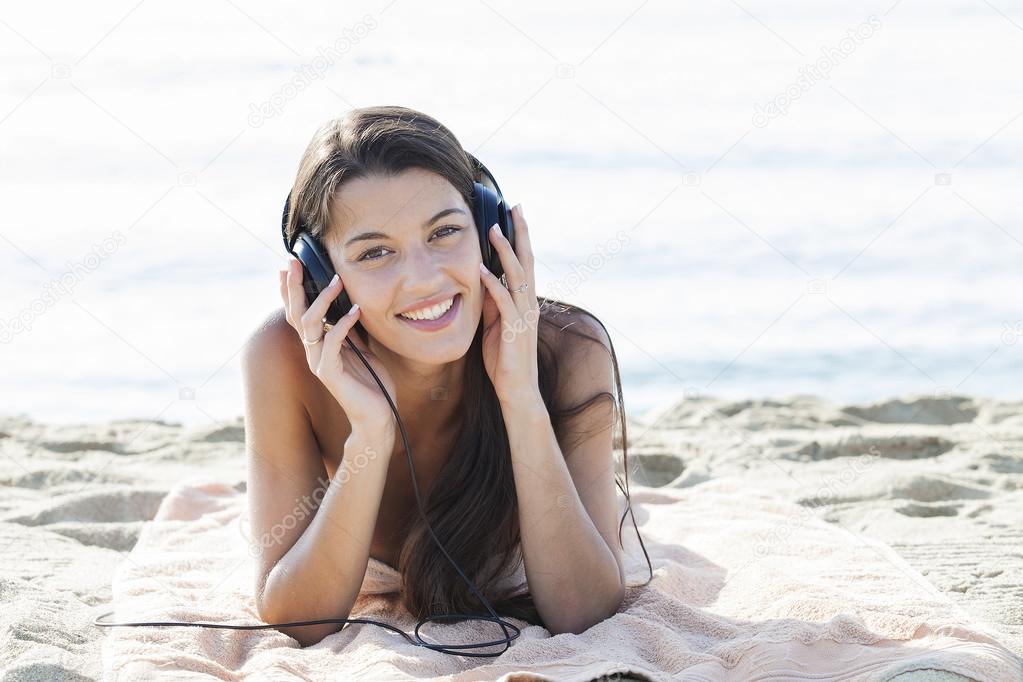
372	442
527	404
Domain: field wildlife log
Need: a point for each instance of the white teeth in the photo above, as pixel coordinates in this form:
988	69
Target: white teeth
430	313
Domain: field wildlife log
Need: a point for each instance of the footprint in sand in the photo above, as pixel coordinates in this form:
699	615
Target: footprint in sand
923	493
654	469
230	433
1003	464
908	446
928	510
918	410
114	505
51	478
120	537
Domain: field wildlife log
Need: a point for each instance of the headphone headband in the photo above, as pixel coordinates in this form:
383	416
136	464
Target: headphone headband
487	179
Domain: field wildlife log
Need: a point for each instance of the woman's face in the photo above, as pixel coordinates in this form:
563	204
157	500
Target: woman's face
411	259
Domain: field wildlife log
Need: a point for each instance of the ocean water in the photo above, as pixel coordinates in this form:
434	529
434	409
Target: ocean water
757	199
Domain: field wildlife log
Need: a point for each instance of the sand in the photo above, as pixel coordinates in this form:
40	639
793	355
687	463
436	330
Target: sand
940	479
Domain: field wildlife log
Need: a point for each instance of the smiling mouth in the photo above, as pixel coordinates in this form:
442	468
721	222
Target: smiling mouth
439	323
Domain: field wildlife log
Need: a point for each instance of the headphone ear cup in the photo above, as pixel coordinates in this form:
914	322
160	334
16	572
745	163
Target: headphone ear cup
489	208
317	271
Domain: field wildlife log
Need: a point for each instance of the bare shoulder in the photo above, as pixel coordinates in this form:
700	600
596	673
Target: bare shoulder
274	337
274	354
275	364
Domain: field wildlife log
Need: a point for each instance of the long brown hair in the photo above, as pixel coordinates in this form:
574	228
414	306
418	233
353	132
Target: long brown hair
472	505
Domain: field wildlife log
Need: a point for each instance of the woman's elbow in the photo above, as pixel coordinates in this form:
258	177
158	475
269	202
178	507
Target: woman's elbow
306	635
585	621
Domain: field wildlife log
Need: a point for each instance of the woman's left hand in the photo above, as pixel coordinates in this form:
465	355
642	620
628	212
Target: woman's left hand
510	317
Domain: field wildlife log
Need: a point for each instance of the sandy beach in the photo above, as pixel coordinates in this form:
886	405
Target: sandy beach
818	194
939	479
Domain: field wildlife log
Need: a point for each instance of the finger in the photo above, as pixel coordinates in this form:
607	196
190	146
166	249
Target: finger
514	271
296	294
523	245
515	274
524	250
313	317
490	310
308	326
502	297
333	339
312	352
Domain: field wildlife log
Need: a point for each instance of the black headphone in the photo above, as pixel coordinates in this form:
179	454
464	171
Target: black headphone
488	207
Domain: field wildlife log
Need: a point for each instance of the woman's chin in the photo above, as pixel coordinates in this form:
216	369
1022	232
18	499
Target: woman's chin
433	349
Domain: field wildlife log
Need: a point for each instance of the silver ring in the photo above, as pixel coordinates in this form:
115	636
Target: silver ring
311	343
519	290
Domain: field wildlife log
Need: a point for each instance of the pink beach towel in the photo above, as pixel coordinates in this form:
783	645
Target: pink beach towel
746	587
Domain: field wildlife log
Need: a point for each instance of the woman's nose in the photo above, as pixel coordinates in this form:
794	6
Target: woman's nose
423	270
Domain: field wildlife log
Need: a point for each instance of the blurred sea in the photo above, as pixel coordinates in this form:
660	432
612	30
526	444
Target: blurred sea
861	239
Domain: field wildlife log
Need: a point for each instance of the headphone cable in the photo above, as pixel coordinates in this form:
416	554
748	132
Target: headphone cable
451	649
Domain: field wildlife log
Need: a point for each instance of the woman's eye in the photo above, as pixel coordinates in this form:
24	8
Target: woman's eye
453	230
365	254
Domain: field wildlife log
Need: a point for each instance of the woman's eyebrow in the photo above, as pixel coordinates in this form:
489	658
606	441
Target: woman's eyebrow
365	236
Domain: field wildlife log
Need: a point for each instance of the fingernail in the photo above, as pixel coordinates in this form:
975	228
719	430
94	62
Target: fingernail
355	309
483	268
334	280
494	228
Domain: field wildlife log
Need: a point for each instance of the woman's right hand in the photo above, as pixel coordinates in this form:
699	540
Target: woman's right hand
333	362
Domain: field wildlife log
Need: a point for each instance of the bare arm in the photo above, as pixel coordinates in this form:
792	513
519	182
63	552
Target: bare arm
572	567
566	492
320	576
311	537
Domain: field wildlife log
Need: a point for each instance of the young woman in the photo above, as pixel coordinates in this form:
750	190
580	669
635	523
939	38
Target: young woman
509	401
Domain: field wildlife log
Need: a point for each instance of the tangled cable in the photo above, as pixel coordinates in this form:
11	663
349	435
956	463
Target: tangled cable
453	649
